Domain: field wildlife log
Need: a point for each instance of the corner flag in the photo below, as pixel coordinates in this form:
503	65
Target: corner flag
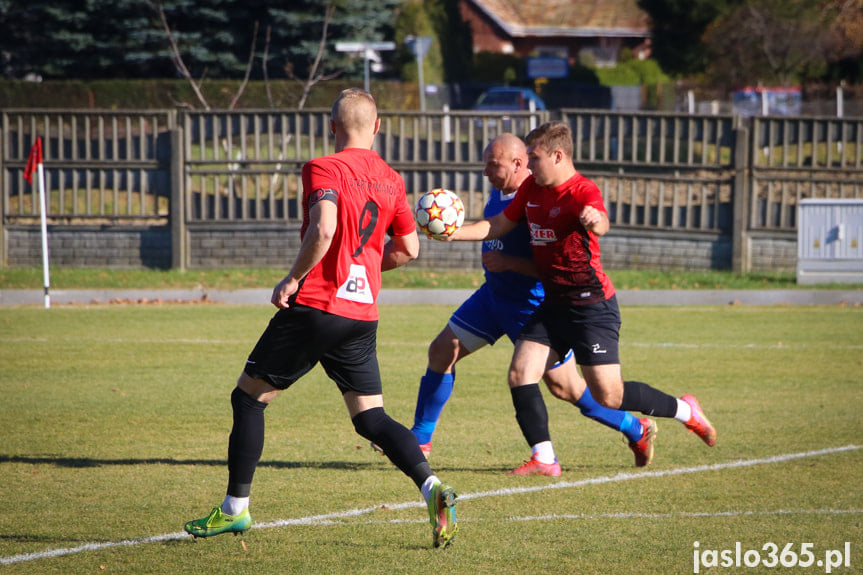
34	163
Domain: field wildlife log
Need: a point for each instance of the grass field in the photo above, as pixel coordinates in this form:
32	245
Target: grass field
116	421
405	277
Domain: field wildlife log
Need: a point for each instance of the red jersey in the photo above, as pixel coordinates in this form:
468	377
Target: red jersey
371	200
565	253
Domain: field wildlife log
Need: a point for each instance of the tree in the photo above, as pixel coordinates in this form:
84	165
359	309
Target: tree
413	20
64	38
845	44
678	28
845	28
92	39
455	38
781	41
296	31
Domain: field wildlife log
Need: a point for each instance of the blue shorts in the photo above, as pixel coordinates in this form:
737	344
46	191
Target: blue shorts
485	317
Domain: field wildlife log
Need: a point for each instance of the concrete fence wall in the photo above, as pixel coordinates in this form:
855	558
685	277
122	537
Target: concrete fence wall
272	245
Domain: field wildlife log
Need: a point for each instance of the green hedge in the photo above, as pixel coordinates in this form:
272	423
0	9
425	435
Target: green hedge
149	94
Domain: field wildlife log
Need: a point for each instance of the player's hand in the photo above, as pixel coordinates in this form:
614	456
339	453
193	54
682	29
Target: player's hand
283	291
590	216
448	238
495	261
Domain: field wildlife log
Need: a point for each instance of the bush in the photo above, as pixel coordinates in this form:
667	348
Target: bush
161	94
633	72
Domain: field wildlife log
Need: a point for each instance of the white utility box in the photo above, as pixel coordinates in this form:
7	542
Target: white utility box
830	241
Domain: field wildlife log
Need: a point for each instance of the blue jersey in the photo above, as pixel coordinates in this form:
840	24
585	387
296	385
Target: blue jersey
504	303
509	284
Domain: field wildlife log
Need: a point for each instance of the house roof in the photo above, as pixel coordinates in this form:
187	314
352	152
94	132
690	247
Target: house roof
573	18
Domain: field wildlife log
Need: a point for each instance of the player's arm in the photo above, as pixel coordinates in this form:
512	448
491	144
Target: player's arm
594	221
487	229
400	250
316	242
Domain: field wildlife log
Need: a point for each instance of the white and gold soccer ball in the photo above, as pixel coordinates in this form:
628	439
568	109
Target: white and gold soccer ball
439	213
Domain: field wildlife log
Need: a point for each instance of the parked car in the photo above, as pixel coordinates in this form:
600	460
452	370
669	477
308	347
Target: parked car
504	99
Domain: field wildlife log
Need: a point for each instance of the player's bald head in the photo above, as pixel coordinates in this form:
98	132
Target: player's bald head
506	147
355	110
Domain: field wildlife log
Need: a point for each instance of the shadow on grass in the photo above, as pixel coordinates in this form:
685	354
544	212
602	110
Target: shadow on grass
85	462
29	538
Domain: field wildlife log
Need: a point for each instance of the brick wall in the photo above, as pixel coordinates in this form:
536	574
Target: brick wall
275	245
773	252
91	246
696	251
263	245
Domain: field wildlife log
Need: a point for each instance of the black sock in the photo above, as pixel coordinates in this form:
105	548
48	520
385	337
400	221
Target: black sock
638	396
397	441
246	442
530	412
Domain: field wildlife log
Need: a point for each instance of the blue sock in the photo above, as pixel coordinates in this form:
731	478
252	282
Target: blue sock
622	421
435	390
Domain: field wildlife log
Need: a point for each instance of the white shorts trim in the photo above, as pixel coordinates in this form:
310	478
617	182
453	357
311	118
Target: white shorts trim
470	341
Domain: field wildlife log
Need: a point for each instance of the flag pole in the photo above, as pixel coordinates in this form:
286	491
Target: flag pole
43	203
34	163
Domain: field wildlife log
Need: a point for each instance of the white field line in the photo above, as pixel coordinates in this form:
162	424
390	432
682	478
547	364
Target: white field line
334	518
661	473
778	345
685	514
621	515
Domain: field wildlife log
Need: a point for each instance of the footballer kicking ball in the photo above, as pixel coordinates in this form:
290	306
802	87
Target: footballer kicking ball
439	213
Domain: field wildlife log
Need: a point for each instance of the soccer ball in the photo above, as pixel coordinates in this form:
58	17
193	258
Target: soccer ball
439	213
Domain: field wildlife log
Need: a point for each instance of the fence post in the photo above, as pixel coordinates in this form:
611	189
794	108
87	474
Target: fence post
178	201
4	186
740	257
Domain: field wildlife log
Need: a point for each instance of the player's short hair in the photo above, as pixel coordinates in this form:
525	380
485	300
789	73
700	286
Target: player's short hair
355	109
552	136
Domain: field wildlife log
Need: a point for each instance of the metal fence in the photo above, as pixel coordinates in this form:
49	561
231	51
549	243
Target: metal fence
665	171
668	171
100	166
246	165
796	158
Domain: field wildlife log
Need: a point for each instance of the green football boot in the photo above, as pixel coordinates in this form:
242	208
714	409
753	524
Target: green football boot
217	522
441	507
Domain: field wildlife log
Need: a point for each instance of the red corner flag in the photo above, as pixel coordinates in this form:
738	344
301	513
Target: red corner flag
33	161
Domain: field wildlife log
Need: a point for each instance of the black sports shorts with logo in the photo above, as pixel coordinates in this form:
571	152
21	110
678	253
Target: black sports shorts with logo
592	331
299	337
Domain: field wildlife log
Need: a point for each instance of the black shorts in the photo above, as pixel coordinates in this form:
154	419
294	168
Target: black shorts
299	337
591	331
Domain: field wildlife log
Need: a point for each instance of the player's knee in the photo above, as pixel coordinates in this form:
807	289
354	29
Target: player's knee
610	398
560	391
518	377
443	352
241	400
371	422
